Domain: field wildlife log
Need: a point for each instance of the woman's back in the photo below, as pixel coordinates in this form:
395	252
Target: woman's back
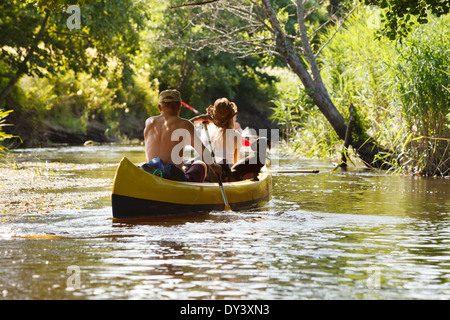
226	144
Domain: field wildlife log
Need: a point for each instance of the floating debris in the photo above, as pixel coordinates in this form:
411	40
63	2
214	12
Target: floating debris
39	188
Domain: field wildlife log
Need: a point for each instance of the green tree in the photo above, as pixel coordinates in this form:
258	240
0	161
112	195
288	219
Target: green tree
39	42
401	15
59	4
205	74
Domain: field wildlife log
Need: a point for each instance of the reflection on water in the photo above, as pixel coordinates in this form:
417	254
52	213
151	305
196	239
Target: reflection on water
355	235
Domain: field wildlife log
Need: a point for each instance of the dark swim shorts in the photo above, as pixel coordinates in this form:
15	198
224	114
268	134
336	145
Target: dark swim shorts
194	172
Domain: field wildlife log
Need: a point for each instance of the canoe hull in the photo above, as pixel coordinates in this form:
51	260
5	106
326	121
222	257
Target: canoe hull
138	194
128	207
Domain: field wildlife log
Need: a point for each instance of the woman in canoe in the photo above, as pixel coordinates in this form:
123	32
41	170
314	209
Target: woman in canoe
225	141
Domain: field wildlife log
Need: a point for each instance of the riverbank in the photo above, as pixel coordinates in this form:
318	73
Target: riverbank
30	132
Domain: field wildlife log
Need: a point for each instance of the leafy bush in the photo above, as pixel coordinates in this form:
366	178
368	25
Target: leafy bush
3	135
72	101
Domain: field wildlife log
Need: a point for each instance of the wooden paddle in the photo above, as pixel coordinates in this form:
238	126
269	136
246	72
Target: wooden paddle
224	196
290	171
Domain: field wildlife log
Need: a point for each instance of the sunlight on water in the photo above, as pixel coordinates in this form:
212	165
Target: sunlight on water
355	235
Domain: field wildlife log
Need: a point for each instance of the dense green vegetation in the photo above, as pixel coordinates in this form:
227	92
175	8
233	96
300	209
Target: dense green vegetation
101	81
400	90
3	135
400	16
45	66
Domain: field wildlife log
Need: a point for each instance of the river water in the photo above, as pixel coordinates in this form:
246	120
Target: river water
332	235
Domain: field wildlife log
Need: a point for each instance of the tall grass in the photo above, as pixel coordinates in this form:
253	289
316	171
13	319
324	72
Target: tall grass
400	91
422	74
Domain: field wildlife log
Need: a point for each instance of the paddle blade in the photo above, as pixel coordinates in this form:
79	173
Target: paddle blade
227	207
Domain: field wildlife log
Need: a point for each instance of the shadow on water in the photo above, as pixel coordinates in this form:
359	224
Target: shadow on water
198	217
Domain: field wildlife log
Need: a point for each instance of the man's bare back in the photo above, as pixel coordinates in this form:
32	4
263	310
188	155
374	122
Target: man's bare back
166	136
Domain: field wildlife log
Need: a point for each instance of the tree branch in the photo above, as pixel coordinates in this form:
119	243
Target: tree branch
193	4
285	48
307	47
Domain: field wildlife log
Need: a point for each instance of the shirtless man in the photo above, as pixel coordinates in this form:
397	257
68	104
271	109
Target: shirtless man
167	135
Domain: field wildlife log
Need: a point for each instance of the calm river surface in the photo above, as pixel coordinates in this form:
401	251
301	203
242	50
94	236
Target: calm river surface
353	235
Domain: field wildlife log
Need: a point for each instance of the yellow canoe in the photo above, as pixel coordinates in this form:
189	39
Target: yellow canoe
139	194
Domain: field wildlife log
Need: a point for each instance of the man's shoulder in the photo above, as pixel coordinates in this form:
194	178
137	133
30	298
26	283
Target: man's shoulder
174	122
151	120
184	123
187	122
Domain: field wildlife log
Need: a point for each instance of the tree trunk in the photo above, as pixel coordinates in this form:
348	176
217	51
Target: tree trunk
315	88
23	65
11	84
